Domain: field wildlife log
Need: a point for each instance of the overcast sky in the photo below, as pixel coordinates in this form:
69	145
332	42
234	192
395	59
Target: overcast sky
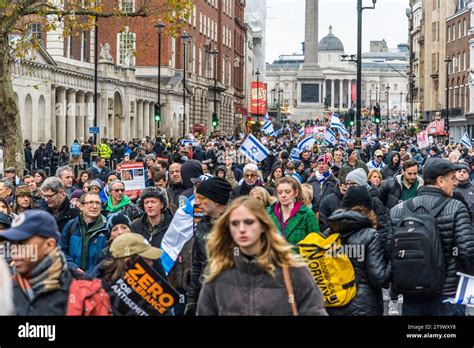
286	20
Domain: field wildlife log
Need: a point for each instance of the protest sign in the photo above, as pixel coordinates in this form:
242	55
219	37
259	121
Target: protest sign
133	176
142	292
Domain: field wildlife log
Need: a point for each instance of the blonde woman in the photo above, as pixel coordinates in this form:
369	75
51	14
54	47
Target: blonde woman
262	195
375	178
307	190
247	258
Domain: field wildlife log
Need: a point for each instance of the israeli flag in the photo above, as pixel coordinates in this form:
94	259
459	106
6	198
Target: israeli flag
301	132
268	128
465	291
295	154
306	143
266	118
336	123
254	149
330	137
278	132
342	138
180	231
466	141
186	142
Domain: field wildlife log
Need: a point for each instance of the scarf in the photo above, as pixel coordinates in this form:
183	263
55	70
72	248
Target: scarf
45	277
374	164
323	177
125	201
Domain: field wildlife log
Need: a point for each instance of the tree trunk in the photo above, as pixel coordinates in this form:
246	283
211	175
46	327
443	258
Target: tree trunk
10	122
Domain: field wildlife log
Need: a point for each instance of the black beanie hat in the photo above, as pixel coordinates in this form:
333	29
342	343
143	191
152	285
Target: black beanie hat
357	195
153	192
216	189
117	219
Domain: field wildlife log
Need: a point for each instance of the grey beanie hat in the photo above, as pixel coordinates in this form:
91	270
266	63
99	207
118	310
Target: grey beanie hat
152	156
153	192
359	176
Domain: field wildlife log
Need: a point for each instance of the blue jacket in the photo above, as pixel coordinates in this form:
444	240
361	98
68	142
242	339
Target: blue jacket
75	149
83	245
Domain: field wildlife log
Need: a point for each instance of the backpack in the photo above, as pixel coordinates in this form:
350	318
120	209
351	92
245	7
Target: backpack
332	270
418	265
88	298
75	150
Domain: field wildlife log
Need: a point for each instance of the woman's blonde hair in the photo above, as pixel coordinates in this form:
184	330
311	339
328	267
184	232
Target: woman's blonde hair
221	248
295	185
375	171
267	199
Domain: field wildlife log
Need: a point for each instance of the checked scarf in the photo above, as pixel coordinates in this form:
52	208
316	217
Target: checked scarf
323	177
380	166
45	277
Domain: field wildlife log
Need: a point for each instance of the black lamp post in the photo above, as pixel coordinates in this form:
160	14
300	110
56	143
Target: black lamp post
446	114
273	94
96	73
387	95
376	94
160	26
215	53
401	109
360	8
258	95
184	37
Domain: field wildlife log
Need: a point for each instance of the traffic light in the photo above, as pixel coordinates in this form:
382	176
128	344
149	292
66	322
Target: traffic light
377	119
351	118
215	120
157	112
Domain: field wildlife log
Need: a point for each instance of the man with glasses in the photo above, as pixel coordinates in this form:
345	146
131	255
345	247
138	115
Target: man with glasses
377	162
119	202
84	237
56	202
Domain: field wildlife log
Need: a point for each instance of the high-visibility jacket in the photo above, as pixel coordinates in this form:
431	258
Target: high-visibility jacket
104	151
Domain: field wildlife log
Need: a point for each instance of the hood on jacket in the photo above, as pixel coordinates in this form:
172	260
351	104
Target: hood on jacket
421	182
390	157
190	169
348	221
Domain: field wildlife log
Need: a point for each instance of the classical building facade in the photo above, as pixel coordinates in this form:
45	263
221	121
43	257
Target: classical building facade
379	70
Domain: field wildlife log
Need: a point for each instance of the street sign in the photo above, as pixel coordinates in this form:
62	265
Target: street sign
94	130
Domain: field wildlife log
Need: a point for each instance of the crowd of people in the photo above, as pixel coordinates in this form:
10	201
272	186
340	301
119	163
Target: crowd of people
241	256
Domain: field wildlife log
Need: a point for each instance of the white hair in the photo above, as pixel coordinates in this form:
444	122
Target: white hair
251	167
6	292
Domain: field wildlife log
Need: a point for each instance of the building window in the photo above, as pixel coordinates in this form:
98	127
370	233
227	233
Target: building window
459	62
395	87
464	60
35	30
83	45
449	33
127	6
200	62
459	28
200	22
464	27
126	48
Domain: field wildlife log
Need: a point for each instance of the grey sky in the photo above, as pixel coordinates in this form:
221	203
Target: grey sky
285	24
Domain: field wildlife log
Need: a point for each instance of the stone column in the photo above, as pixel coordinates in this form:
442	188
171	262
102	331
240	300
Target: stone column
323	91
341	99
81	112
61	118
139	119
71	117
332	93
146	119
51	123
311	31
89	114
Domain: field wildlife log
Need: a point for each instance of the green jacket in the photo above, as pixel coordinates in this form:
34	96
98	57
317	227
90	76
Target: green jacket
299	226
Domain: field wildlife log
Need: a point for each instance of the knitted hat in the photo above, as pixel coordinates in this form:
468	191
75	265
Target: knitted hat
153	192
23	190
465	166
77	194
152	156
95	183
323	158
116	219
358	195
297	163
109	174
359	176
216	189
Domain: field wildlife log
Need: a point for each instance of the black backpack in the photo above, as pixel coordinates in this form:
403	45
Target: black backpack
418	265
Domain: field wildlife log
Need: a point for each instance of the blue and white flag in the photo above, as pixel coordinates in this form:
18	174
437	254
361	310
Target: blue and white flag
306	143
266	118
295	154
465	291
180	231
330	137
192	142
268	128
342	138
336	123
301	132
278	132
254	149
466	141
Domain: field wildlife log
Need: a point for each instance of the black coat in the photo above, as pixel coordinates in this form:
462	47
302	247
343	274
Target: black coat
39	158
329	205
371	269
28	156
455	228
48	303
320	192
390	169
141	226
174	191
64	214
